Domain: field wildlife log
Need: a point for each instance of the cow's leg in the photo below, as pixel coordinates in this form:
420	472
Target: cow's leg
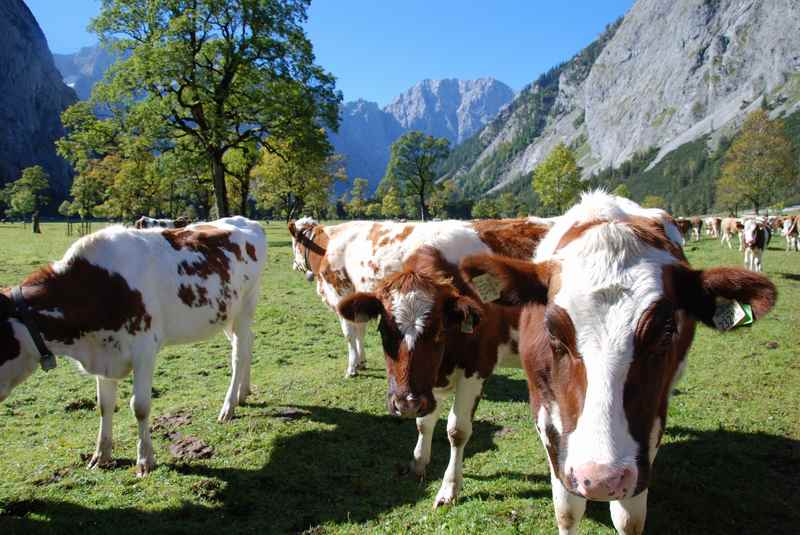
360	333
459	429
757	262
422	452
569	508
140	405
245	319
629	515
241	354
350	331
107	401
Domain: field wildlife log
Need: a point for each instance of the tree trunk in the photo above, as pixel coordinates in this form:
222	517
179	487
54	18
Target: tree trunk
423	210
245	193
220	190
35	222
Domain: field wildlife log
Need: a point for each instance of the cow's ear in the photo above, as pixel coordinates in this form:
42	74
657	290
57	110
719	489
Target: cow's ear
705	293
462	312
507	280
360	307
292	229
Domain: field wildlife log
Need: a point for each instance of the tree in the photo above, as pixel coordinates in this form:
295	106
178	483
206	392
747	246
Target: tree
412	166
357	205
760	163
374	210
218	74
26	195
507	204
296	181
443	198
485	208
391	207
557	180
654	201
622	191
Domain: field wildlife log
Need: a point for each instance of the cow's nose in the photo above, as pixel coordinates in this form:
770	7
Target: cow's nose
602	481
407	406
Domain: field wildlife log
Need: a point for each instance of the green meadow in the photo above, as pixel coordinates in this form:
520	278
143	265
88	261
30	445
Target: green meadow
315	453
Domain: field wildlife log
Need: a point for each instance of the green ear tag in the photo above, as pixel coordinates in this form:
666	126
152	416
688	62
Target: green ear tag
487	286
468	325
748	315
730	314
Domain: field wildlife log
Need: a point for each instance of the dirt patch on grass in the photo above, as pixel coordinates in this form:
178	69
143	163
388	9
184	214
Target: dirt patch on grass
83	404
189	448
168	423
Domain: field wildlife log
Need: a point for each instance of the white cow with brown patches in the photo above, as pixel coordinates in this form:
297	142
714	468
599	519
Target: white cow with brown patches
356	256
612	304
119	295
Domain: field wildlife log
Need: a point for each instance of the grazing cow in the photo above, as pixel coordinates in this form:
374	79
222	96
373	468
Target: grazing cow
611	315
357	255
697	226
790	232
119	295
756	236
148	222
684	226
438	339
731	226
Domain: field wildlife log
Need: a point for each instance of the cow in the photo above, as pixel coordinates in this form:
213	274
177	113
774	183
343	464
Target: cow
790	232
119	295
438	339
731	226
357	255
697	226
755	236
611	310
149	222
684	226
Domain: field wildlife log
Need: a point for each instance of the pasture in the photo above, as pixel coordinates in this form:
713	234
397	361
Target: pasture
314	453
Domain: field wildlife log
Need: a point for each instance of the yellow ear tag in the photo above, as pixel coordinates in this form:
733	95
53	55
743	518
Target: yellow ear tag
488	287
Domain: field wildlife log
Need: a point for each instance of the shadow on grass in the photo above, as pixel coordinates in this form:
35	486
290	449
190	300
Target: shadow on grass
503	388
790	276
346	473
280	243
724	482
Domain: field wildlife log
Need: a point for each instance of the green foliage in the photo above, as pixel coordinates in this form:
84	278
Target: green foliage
357	206
29	193
214	76
557	180
413	165
622	191
654	201
391	206
507	204
760	165
485	208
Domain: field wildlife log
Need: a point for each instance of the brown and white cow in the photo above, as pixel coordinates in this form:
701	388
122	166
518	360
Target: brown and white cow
790	232
684	226
713	226
755	236
356	256
149	222
119	295
438	339
731	226
697	226
612	310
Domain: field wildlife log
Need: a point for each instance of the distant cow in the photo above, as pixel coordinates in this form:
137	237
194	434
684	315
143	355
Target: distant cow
713	226
697	226
790	232
684	226
149	222
612	305
755	236
119	295
356	256
438	339
731	226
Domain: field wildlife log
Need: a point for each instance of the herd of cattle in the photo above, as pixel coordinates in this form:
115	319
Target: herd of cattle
598	306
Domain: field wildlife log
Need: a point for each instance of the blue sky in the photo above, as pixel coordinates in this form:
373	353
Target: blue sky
379	48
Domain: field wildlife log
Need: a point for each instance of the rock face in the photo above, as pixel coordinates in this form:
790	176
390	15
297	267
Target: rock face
82	70
666	74
32	97
454	109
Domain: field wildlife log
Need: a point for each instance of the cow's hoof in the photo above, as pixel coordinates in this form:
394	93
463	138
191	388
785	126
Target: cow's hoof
417	469
99	461
144	467
350	373
226	414
448	495
362	365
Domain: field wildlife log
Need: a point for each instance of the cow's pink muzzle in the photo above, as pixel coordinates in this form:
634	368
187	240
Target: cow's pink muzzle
603	482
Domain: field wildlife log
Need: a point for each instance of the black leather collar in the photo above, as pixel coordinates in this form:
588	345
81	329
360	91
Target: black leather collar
23	313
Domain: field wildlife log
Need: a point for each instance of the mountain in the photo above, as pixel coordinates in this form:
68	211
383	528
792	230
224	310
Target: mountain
32	97
454	109
84	68
666	76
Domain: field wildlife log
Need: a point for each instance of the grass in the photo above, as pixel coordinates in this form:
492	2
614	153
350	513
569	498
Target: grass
730	463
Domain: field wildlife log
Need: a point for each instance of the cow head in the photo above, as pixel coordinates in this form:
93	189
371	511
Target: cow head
418	310
753	233
611	315
18	355
302	232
